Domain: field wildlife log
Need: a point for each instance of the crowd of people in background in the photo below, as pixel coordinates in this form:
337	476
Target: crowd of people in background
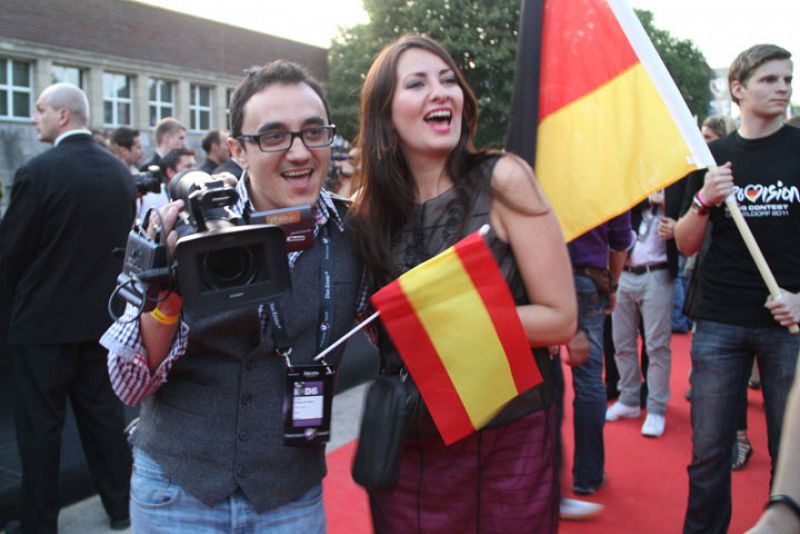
211	437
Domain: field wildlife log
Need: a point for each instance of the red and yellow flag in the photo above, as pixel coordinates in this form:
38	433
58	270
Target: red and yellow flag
611	125
454	322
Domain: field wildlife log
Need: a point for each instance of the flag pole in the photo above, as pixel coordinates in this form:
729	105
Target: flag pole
347	336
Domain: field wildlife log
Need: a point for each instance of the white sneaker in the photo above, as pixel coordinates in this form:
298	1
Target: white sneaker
619	411
578	510
653	426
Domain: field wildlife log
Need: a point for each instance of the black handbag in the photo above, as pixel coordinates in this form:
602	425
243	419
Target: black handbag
691	300
389	408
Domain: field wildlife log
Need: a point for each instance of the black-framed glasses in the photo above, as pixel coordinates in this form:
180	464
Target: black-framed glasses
279	140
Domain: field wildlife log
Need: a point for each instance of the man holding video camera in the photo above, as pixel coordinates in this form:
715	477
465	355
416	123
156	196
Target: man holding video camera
217	443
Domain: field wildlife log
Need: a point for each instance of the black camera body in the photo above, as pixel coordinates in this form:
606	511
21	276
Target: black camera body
148	181
340	151
222	262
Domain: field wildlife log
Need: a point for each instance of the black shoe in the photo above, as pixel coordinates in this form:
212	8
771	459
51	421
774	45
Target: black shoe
120	524
584	490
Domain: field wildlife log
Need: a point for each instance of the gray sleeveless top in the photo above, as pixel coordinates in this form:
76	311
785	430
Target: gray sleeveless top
432	227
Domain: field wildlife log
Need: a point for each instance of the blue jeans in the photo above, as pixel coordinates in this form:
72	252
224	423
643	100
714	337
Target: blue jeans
722	357
158	504
589	406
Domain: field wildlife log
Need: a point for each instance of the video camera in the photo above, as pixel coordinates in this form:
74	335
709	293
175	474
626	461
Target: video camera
221	261
148	181
340	151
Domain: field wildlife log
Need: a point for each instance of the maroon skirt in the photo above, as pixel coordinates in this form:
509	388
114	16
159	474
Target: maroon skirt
500	480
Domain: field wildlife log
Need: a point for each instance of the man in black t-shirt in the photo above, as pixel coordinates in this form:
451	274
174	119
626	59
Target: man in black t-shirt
737	320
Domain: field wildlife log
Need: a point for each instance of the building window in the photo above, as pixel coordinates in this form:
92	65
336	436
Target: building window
117	99
200	107
228	95
73	75
162	100
16	81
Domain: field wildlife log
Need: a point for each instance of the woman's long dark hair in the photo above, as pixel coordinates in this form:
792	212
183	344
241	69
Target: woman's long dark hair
388	191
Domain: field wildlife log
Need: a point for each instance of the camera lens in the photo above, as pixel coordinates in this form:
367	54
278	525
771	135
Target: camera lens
228	267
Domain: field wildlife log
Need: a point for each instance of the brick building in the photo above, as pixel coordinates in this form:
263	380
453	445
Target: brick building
136	63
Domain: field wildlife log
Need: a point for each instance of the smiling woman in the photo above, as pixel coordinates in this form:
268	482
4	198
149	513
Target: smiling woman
425	187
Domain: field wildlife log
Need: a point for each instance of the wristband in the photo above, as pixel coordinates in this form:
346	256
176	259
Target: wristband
703	202
790	503
698	206
159	316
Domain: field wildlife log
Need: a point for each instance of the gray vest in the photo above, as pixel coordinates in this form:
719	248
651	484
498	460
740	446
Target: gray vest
217	423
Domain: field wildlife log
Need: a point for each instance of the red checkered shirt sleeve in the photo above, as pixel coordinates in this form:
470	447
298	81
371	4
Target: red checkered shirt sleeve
130	377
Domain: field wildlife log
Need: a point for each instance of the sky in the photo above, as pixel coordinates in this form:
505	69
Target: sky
719	28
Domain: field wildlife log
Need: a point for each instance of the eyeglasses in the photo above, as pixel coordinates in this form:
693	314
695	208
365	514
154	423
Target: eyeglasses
280	140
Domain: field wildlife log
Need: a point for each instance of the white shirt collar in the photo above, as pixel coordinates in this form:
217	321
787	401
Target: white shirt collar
81	131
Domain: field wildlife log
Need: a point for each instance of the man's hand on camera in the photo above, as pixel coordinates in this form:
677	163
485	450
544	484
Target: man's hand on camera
226	177
163	225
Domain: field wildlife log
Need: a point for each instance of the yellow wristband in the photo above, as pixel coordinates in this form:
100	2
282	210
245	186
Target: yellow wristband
159	316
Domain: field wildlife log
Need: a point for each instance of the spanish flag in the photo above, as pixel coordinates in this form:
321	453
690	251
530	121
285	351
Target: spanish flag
596	112
454	322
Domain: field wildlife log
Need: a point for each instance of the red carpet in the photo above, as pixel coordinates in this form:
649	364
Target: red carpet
648	484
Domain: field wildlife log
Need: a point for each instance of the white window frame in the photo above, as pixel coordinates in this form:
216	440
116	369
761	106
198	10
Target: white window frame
110	96
228	95
11	89
163	108
81	75
196	109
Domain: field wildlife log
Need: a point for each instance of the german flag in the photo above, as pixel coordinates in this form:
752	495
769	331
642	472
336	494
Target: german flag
454	322
595	111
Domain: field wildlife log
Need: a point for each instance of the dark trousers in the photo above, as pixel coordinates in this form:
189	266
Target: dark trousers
44	376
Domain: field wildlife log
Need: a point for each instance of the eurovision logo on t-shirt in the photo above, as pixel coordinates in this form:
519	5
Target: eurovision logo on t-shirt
760	200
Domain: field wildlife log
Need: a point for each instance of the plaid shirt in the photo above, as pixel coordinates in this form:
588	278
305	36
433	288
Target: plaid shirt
127	358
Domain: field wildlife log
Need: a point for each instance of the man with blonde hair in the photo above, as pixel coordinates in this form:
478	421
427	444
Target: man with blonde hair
737	320
170	133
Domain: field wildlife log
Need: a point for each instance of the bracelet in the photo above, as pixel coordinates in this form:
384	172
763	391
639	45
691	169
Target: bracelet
790	503
159	316
698	206
702	202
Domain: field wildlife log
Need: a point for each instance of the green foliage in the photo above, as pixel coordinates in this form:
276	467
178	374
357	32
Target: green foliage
481	35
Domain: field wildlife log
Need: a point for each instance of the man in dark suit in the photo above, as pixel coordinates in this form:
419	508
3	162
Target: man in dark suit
215	144
232	166
70	207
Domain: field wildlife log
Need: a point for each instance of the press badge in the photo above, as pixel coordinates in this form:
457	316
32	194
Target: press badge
307	402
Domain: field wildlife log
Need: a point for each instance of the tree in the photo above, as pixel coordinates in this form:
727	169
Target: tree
481	35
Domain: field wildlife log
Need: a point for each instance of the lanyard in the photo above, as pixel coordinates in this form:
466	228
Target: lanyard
280	337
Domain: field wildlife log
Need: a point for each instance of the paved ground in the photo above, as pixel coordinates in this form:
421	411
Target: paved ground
88	517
